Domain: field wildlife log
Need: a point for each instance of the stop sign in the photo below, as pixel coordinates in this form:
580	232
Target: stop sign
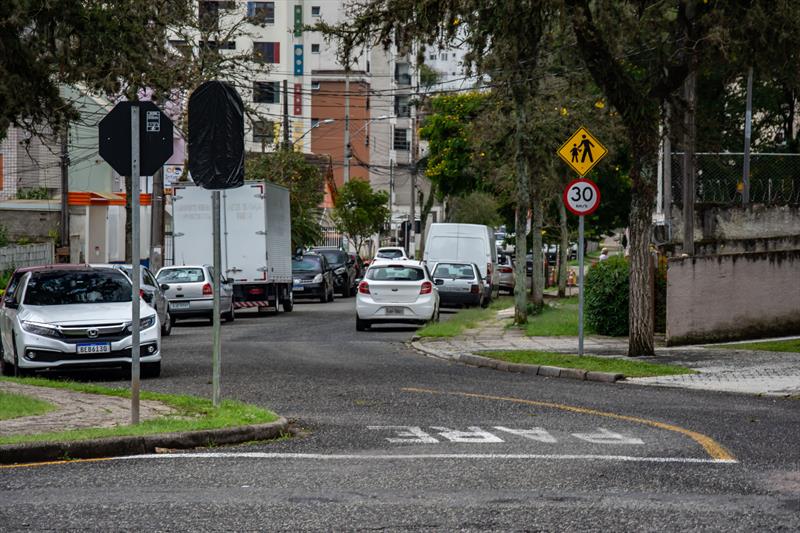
155	138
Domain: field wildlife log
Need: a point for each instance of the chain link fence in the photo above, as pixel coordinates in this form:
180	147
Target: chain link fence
774	178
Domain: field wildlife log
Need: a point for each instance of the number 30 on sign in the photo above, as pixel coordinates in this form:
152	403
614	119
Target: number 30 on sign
582	197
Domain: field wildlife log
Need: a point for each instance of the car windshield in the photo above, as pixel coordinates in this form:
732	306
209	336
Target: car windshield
129	272
77	287
181	275
395	273
334	257
307	264
389	254
454	271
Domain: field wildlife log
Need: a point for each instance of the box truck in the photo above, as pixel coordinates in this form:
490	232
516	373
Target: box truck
256	240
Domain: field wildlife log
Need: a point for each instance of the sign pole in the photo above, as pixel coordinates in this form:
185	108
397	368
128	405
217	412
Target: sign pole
580	285
135	298
217	340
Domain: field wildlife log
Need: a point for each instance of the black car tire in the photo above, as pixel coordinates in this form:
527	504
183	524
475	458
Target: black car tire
288	303
331	296
230	316
151	370
166	327
6	368
362	325
324	298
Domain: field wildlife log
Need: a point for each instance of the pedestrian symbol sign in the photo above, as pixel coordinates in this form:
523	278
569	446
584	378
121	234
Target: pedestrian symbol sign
582	151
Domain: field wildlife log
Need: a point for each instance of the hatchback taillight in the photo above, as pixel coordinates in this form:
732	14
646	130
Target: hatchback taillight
506	270
473	289
426	287
363	287
207	290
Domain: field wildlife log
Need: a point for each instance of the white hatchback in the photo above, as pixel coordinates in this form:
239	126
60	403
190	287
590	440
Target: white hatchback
396	292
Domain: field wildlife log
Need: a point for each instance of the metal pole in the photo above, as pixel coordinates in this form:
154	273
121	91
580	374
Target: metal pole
689	162
285	115
580	285
217	340
135	238
64	240
667	174
157	222
346	177
748	125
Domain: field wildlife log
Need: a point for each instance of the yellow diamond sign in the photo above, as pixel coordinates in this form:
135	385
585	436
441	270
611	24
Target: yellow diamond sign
582	151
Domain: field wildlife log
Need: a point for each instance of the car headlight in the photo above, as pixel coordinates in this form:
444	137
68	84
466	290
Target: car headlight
37	328
317	279
339	271
146	322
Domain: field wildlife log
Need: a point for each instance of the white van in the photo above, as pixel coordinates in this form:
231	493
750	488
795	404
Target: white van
465	243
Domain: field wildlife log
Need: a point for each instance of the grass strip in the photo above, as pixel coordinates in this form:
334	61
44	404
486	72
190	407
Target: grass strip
13	405
464	319
192	413
628	367
791	345
557	319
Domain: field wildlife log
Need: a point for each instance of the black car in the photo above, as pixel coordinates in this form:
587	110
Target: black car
312	277
344	269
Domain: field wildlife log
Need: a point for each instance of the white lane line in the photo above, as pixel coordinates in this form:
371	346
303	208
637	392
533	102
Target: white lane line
396	457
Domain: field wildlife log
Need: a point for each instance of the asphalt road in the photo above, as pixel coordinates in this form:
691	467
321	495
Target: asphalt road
390	439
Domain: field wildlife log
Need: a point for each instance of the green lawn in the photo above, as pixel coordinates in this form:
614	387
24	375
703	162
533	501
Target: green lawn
192	413
14	405
792	345
628	367
453	325
559	318
586	258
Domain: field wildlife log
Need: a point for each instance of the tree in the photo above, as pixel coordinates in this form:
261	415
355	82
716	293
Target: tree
475	208
306	190
360	212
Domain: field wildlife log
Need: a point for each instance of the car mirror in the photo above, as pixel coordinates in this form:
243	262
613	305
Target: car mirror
438	282
164	287
10	303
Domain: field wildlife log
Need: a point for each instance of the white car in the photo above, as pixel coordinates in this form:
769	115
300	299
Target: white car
71	316
395	253
190	292
396	292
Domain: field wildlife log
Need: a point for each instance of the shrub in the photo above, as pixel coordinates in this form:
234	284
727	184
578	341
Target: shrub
3	236
606	297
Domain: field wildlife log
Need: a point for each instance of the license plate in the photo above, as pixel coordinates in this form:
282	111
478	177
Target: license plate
99	347
179	305
297	288
395	310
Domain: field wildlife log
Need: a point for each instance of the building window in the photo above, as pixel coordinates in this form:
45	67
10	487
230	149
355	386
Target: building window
208	14
261	12
443	57
266	92
214	45
402	74
314	48
315	86
314	122
267	52
432	57
182	47
402	105
400	139
263	131
315	11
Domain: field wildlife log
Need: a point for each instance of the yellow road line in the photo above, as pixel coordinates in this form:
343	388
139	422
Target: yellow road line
712	447
59	462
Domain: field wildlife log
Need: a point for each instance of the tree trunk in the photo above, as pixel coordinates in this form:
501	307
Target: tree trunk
564	251
427	205
537	285
640	320
128	219
523	200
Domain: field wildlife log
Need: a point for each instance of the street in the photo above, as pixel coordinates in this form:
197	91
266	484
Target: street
390	439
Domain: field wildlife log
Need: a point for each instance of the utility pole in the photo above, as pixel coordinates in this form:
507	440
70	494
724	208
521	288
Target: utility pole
157	222
667	173
64	238
286	144
689	139
412	245
748	126
346	177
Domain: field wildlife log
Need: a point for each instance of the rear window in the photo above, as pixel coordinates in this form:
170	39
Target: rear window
454	271
395	273
307	264
389	254
182	275
334	257
77	287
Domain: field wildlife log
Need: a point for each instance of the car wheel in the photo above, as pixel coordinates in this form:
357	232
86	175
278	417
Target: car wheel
166	327
230	316
324	297
362	325
331	296
436	315
485	303
288	304
6	368
151	370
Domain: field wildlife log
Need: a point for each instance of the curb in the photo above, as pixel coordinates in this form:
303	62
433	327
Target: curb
137	445
534	370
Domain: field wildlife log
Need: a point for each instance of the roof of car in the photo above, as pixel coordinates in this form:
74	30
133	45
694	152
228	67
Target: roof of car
64	266
381	261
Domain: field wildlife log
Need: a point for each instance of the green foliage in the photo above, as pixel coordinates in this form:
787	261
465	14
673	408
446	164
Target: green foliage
360	212
475	208
428	77
305	183
3	236
628	367
17	405
606	297
33	193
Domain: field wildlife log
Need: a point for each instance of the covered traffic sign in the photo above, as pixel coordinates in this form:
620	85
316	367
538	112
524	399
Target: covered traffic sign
155	138
582	197
582	151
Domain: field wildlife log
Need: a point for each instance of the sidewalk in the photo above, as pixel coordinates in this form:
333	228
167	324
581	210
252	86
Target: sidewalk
728	370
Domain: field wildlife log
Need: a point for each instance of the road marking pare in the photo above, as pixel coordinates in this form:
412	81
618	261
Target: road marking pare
477	435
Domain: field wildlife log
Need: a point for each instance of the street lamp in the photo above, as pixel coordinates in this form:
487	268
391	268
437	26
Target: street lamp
347	143
317	125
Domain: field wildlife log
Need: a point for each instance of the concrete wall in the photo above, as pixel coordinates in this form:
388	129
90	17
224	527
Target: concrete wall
714	223
730	297
30	219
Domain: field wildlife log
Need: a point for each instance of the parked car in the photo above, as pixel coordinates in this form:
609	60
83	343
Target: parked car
391	252
459	284
313	277
152	292
191	293
505	265
396	292
344	269
63	316
361	267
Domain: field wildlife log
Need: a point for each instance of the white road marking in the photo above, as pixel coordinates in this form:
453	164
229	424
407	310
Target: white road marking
394	457
604	436
538	434
474	435
407	434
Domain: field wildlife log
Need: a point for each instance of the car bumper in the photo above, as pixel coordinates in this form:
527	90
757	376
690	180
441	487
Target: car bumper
38	352
308	290
420	311
340	282
184	308
459	298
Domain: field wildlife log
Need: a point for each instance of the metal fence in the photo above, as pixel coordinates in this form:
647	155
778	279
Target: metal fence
18	256
774	178
331	237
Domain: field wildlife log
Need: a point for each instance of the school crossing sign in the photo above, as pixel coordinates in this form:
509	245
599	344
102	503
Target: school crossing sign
582	151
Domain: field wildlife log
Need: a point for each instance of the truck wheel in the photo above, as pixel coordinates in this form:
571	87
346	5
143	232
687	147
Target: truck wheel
288	304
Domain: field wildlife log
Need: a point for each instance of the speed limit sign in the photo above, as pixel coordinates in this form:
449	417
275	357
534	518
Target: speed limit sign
582	197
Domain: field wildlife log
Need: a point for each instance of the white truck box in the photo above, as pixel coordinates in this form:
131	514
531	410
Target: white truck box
255	240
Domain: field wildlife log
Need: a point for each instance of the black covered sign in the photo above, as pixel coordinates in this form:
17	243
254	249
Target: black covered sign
216	136
155	138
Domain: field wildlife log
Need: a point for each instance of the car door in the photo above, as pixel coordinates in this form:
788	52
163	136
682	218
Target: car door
159	300
8	314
